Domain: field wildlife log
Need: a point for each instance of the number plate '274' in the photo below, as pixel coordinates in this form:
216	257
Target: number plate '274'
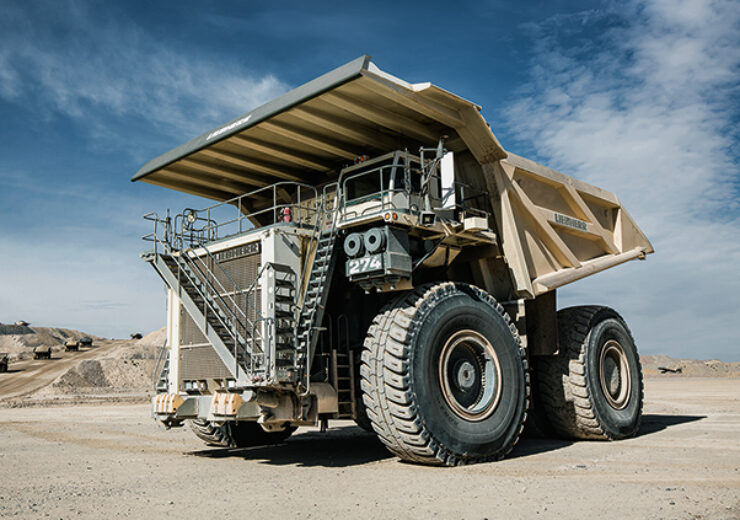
366	264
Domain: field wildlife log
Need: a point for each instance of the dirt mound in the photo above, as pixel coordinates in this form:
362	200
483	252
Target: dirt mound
127	368
88	373
153	338
665	365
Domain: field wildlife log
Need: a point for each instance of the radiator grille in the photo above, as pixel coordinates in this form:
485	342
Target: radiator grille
190	334
198	360
201	363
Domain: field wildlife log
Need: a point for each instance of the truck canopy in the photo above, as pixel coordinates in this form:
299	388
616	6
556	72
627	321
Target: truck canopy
310	132
553	229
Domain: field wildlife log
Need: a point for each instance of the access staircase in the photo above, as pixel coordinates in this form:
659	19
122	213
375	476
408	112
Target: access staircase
162	369
344	383
285	323
215	309
245	345
311	314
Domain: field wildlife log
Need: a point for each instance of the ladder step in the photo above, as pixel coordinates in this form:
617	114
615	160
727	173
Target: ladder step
279	268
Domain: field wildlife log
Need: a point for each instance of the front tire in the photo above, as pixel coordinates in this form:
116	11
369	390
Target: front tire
444	377
592	389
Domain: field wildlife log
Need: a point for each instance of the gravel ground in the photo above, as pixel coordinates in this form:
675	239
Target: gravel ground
113	461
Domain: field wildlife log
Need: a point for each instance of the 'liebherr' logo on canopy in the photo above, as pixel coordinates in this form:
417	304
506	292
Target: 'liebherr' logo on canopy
226	128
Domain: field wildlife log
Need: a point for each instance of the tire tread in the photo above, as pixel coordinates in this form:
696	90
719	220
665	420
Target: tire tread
564	391
386	382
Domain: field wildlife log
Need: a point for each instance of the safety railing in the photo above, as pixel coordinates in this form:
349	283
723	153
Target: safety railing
283	202
196	264
159	365
327	220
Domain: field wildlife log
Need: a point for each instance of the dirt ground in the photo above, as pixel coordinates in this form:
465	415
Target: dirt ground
113	461
119	370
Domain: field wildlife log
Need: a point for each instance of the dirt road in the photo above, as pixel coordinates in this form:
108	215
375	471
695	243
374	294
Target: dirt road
113	461
28	375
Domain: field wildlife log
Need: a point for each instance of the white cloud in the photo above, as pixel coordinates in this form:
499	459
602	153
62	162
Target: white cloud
71	249
104	66
647	108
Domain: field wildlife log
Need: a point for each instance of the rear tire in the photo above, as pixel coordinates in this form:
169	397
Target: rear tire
210	434
237	435
444	377
362	420
592	389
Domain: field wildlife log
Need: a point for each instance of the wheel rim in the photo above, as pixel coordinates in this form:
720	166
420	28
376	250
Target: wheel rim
470	375
614	374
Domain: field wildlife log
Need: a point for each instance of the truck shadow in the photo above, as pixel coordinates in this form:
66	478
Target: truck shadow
338	447
652	423
351	446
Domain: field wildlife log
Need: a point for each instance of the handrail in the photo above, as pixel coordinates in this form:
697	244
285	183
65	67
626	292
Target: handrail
207	280
205	298
217	295
237	289
338	197
231	325
158	367
267	361
184	222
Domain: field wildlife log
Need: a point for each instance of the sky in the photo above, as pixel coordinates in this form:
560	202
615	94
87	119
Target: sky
637	97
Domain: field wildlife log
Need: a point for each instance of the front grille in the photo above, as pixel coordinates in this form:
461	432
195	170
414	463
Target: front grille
201	362
190	334
239	265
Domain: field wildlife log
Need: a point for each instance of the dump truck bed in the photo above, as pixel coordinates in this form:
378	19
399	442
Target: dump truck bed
553	229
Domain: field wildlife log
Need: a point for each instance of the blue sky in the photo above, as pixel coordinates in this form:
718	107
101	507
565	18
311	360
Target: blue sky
638	97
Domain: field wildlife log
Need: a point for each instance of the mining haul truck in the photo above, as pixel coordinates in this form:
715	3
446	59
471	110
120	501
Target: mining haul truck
42	352
374	254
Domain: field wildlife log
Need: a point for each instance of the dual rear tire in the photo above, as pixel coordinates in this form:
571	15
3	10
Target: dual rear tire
592	389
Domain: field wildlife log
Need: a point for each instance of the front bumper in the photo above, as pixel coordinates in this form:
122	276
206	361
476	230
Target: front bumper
250	405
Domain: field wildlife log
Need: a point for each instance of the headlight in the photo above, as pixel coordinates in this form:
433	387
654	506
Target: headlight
353	245
374	240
